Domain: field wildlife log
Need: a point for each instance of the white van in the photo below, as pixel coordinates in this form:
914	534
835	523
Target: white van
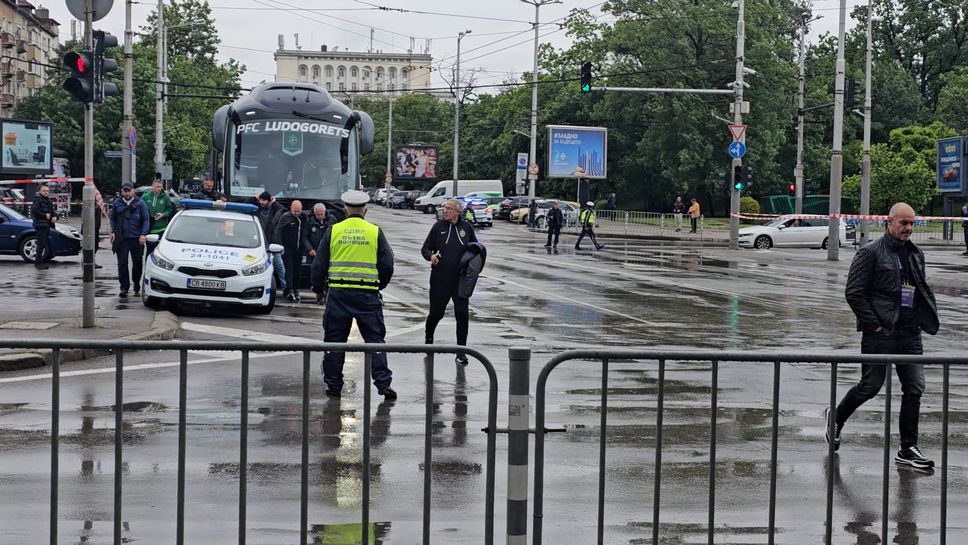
444	191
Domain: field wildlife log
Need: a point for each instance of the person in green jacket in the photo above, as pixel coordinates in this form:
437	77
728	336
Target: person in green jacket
160	209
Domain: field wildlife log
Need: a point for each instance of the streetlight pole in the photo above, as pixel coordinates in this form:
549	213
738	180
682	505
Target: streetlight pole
460	35
388	177
126	169
533	155
837	156
798	171
160	92
865	167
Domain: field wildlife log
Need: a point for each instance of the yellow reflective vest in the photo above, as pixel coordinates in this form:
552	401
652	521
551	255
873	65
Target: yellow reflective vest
352	255
587	217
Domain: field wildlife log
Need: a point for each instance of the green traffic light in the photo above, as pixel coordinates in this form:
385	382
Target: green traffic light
738	186
585	88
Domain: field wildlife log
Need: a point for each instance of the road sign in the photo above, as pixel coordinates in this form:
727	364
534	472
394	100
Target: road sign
738	132
533	169
133	138
737	150
100	8
112	154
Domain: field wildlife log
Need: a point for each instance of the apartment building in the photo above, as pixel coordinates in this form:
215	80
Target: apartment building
28	42
355	72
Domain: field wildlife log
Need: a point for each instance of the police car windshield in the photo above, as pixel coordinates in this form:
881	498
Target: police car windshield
215	231
292	158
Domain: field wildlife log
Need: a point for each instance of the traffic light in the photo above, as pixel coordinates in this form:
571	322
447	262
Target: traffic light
81	83
792	188
747	176
851	100
586	77
103	66
738	178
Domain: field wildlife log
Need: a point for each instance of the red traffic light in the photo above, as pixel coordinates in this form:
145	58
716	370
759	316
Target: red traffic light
793	187
81	66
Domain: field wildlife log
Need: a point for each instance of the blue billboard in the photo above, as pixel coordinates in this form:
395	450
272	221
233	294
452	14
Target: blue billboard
577	152
951	171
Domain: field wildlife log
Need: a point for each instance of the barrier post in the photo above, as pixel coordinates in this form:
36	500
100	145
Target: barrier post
519	404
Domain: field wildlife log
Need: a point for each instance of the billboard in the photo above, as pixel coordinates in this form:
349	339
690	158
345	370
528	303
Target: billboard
26	147
577	152
950	173
415	163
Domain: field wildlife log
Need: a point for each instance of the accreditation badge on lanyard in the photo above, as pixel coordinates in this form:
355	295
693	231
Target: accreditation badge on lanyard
907	289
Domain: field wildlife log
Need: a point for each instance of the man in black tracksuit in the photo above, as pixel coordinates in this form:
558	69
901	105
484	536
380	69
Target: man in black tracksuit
42	213
444	247
290	232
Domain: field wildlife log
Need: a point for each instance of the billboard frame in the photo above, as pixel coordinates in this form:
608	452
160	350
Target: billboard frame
396	154
27	171
549	173
962	154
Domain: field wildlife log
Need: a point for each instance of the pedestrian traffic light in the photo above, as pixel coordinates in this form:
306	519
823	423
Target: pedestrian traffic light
103	66
81	83
738	178
586	77
850	100
792	188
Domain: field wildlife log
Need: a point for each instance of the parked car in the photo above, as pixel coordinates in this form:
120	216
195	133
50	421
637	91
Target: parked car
482	213
788	231
569	210
17	237
412	198
509	204
14	198
398	199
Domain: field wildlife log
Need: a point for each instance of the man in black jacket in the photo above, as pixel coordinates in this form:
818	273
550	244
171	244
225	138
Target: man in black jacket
888	291
43	215
316	227
443	248
290	232
269	212
555	221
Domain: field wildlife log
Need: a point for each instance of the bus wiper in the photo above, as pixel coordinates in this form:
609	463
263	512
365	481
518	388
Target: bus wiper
311	117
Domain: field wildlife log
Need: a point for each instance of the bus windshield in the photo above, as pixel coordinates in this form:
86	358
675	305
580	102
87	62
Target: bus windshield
292	158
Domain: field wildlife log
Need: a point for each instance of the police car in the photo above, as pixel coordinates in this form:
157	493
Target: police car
211	252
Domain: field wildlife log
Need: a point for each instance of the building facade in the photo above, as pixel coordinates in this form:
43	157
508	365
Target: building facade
29	42
381	73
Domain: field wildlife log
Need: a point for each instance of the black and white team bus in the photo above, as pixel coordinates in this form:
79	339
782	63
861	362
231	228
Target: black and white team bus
293	140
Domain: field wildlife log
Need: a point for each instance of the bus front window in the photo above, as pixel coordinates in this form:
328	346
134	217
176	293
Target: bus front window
292	159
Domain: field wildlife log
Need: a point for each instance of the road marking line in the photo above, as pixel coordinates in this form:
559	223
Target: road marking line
243	333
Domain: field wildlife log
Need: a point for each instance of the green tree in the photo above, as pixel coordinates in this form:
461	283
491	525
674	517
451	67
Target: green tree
953	102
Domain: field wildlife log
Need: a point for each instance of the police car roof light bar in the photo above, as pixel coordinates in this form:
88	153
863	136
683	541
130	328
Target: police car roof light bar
220	205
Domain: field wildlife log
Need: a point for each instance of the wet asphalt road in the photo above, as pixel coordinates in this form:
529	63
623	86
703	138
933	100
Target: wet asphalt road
634	293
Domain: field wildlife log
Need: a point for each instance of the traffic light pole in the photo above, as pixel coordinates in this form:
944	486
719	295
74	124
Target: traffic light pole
798	171
87	225
737	120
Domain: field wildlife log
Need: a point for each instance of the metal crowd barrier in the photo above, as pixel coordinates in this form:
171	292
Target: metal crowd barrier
631	222
245	348
603	357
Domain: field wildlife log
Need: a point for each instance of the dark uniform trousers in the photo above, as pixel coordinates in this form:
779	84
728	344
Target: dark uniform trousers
439	297
590	231
342	306
902	341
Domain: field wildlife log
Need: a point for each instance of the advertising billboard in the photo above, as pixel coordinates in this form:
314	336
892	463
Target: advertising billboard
951	167
26	147
577	152
415	163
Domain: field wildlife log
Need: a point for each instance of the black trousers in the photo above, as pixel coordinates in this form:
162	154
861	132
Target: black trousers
292	258
556	231
439	297
342	307
966	238
694	223
873	376
43	244
591	234
130	247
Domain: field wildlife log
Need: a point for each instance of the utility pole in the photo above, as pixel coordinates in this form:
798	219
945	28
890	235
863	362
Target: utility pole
865	166
87	222
388	177
161	58
128	124
798	171
837	156
533	155
460	35
737	120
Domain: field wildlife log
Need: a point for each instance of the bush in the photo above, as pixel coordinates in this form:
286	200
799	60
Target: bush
748	205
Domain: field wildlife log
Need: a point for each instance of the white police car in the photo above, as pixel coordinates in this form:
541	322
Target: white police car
211	252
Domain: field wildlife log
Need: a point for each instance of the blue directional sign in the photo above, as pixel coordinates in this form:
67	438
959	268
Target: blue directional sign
737	150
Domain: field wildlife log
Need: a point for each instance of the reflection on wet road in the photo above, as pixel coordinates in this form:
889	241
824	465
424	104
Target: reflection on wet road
634	293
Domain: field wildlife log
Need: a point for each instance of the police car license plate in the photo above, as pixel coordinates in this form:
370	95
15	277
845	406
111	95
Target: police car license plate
206	284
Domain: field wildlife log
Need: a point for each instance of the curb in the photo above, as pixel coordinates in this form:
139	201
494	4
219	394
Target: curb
164	327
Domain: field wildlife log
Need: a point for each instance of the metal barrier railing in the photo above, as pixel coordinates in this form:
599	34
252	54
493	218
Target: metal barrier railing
603	357
632	222
245	348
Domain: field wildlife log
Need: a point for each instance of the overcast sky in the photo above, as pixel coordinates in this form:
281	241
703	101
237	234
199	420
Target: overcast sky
499	47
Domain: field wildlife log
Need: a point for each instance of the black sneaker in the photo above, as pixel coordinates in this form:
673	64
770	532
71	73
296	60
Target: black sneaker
912	456
461	359
387	393
124	293
826	430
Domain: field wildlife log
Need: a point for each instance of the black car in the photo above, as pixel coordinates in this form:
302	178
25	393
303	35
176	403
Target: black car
511	203
398	200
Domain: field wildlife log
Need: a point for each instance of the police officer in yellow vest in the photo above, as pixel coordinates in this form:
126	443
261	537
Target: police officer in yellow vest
353	263
586	219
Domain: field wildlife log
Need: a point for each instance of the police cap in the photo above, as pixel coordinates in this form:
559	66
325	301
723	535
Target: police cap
589	203
355	198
